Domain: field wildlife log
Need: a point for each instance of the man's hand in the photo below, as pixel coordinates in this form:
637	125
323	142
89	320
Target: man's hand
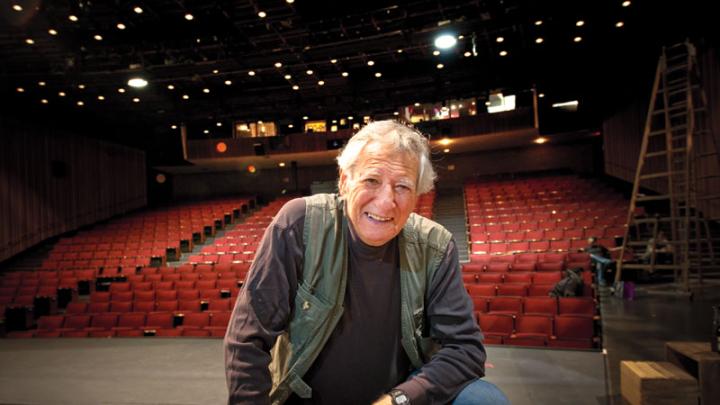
383	400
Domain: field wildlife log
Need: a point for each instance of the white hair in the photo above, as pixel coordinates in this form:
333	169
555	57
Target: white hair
404	140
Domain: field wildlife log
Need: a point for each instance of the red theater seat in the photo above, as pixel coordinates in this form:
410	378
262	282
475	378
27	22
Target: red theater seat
576	306
540	306
573	332
495	327
532	330
505	305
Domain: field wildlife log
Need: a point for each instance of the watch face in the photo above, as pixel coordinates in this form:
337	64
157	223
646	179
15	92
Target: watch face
400	399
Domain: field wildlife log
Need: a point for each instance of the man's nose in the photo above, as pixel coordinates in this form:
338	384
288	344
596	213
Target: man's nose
386	196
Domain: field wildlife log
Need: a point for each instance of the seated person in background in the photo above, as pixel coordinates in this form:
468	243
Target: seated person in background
600	256
662	248
571	284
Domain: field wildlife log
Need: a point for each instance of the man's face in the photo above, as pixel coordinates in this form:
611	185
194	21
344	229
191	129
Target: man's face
381	194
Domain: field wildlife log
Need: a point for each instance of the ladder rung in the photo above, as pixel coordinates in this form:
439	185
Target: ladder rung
638	266
676	67
709	197
658	175
707	154
683	106
672	90
664	131
664	152
653	197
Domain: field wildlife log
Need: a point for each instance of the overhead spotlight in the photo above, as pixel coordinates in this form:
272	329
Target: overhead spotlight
577	39
467	54
539	40
73	18
626	3
399	51
538	22
262	14
61	94
98	37
136	100
215	71
499	39
440	66
288	77
206	90
541	95
29	41
290	1
580	23
309	71
137	82
251	73
17	7
121	26
291	126
80	103
378	74
503	53
333	61
121	90
207	131
350	117
41	84
445	41
189	17
445	141
295	87
228	82
619	24
278	65
345	74
396	113
101	98
305	117
417	104
20	90
541	140
282	164
138	10
219	124
170	87
185	97
173	126
371	63
436	52
446	150
44	101
81	86
321	83
52	32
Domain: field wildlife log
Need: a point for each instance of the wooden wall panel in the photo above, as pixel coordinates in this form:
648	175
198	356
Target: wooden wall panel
99	181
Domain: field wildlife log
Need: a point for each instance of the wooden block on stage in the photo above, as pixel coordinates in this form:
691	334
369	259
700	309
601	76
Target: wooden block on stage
657	383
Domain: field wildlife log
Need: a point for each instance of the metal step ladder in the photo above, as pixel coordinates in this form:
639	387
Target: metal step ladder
679	163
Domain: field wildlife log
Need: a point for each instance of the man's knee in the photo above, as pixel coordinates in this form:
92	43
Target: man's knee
481	392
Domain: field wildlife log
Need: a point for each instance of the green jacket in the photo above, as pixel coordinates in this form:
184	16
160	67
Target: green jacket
319	300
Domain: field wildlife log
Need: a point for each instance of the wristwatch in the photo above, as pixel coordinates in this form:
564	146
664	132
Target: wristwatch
399	397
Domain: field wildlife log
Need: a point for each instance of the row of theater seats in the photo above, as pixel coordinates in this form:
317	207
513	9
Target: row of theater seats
560	331
130	324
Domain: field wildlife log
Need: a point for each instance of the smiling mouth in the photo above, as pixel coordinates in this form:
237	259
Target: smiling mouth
378	218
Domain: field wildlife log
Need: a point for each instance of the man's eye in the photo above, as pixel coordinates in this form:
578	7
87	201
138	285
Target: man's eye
371	182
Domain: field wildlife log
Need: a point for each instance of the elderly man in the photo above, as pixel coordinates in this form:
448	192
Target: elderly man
353	299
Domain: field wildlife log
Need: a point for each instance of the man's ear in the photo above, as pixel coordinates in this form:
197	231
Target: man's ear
342	185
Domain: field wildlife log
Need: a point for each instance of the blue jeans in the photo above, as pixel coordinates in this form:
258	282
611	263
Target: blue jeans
481	392
601	264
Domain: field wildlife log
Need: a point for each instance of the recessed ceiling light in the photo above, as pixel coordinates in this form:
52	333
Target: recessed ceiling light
206	90
290	1
101	98
20	90
436	52
538	22
288	77
189	17
52	31
305	117
207	131
467	54
619	24
345	74
499	39
81	86
541	140
29	41
461	36
440	66
577	39
333	61
251	73
541	95
61	93
282	164
278	64
41	84
378	74
98	37
487	103
400	51
309	71
170	87
137	82
80	103
138	9
417	104
291	126
396	113
219	124
370	62
72	18
626	3
262	14
136	100
350	117
445	41
503	53
17	7
321	83
228	82
215	71
173	126
121	90
446	150
121	26
580	23
185	97
44	101
539	40
295	87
